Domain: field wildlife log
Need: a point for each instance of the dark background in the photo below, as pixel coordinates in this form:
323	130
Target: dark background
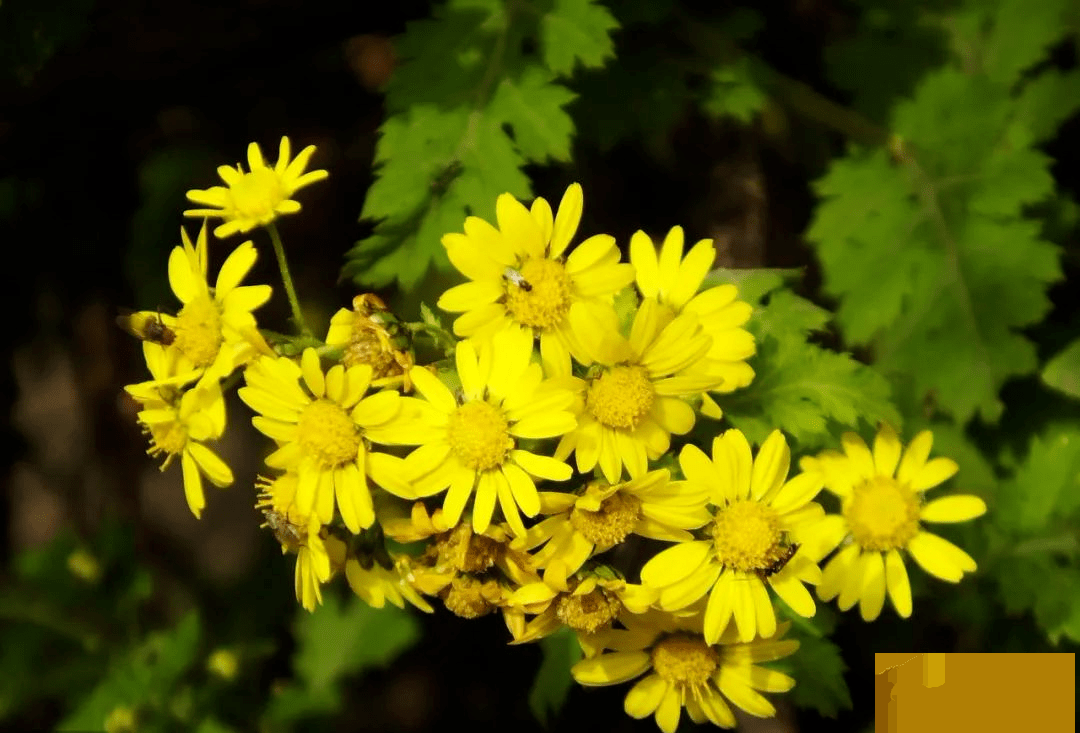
111	109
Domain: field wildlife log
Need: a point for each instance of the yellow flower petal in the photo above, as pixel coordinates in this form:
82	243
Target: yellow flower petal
939	557
669	710
896	580
794	593
887	450
915	456
645	696
566	220
676	563
873	593
695	266
193	490
313	374
935	472
611	668
770	467
643	258
958	508
719	608
461	487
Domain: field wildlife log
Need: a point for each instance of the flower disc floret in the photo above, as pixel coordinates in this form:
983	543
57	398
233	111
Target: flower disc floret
746	535
882	514
685	661
328	434
545	302
588	612
612	523
198	331
620	397
478	435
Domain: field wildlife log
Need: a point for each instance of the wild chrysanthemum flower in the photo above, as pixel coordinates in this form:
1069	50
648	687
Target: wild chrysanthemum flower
883	507
687	671
256	198
632	395
605	514
298	530
589	603
322	429
371	334
519	277
178	424
674	282
215	330
758	523
459	548
504	398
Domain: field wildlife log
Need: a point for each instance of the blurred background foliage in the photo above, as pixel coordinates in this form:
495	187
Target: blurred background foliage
908	166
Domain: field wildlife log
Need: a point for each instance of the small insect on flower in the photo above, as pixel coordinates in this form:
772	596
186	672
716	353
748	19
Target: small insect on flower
778	564
284	531
512	275
146	327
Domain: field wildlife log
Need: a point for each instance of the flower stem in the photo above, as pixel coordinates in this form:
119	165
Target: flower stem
286	278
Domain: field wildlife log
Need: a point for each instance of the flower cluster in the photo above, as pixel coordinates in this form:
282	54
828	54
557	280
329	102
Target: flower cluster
519	465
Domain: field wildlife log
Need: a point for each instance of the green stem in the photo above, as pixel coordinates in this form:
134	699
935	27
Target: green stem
286	278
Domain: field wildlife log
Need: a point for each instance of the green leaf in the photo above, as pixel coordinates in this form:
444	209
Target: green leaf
576	32
147	675
1045	488
553	681
1045	102
1062	372
733	92
818	669
753	283
533	107
1020	35
799	387
339	639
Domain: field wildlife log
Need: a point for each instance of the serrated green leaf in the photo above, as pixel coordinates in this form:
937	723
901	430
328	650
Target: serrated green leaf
533	106
753	283
1021	33
1045	488
576	32
549	689
1046	101
1062	372
733	92
929	255
802	388
818	669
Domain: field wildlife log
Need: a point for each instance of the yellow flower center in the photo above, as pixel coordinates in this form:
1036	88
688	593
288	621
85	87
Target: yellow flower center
616	518
256	194
326	432
546	299
588	612
478	435
621	396
747	536
198	331
170	438
685	661
468	552
882	514
466	597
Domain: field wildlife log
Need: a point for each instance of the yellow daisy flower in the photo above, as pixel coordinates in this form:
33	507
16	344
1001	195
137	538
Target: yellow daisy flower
300	531
754	541
883	507
687	671
674	282
519	277
605	514
178	424
371	334
590	602
504	399
632	396
258	197
215	330
321	431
